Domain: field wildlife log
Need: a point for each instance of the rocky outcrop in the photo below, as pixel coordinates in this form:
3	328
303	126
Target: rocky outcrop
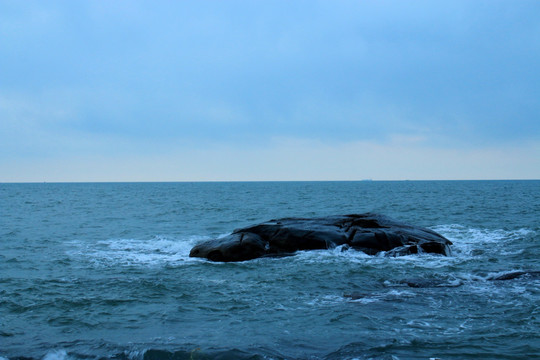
370	233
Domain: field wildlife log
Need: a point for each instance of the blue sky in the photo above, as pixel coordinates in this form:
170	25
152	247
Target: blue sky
269	90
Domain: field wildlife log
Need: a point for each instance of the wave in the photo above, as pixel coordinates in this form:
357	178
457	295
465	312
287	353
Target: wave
468	243
157	251
196	353
464	238
391	349
354	351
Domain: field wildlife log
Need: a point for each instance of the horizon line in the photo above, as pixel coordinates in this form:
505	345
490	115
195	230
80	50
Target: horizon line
247	181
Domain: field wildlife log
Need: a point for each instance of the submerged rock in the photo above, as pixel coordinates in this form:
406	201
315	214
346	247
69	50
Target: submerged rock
516	274
370	233
434	282
429	283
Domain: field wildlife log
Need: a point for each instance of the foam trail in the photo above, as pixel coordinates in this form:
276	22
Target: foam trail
158	251
60	354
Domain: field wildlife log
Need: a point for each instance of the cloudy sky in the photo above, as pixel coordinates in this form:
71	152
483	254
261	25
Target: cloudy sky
269	90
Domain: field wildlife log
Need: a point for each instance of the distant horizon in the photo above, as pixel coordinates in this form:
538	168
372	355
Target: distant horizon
253	181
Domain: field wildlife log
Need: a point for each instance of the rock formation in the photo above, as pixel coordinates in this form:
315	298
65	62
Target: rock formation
370	233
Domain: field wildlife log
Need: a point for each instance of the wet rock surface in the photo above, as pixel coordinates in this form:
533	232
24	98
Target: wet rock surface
503	276
529	274
370	233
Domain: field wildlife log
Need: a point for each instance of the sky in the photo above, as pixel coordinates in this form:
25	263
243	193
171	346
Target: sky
269	90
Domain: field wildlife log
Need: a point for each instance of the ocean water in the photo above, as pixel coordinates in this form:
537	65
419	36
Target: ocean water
101	271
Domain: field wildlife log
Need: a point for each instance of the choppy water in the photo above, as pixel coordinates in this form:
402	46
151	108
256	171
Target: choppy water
91	271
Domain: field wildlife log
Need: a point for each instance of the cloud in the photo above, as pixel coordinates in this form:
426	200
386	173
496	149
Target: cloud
119	79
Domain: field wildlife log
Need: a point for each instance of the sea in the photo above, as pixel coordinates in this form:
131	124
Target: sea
102	271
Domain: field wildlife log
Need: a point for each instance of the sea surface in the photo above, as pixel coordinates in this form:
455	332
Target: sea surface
101	271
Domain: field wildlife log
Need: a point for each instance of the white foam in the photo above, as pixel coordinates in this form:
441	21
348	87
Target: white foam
384	296
366	300
60	354
337	257
326	300
468	240
419	324
333	255
135	354
461	233
158	251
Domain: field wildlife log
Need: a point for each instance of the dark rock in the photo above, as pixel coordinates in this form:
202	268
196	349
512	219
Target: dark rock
429	283
516	274
370	233
356	295
511	275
